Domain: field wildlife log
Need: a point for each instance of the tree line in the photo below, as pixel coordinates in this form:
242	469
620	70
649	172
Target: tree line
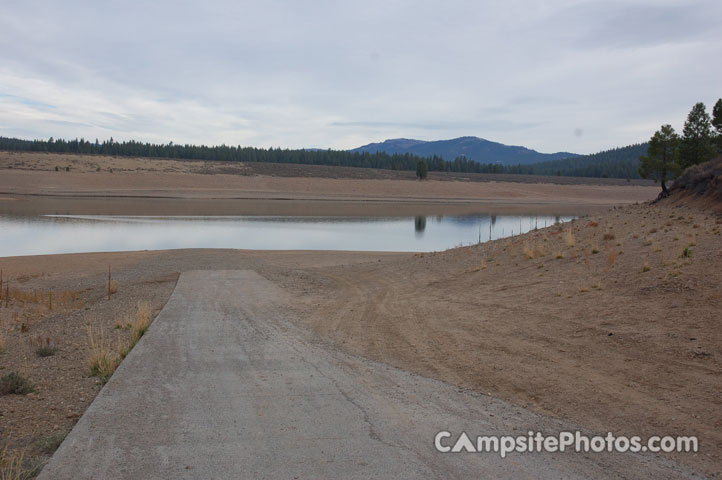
615	163
669	153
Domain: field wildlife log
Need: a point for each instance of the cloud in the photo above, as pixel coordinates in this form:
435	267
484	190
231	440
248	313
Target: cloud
330	74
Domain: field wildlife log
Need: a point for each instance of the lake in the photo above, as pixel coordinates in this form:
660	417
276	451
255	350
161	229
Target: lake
49	234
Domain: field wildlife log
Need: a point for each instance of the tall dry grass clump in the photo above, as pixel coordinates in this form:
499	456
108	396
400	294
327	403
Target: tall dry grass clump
612	257
15	466
569	238
140	323
103	359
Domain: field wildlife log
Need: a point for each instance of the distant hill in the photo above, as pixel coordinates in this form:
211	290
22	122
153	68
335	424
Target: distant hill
473	148
620	162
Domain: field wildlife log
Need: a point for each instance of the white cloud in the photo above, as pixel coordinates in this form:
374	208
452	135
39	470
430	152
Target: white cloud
340	74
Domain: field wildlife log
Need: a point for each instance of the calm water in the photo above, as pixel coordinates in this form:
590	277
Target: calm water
85	233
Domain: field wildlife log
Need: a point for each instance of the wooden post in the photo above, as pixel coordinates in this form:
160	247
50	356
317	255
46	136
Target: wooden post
7	293
108	281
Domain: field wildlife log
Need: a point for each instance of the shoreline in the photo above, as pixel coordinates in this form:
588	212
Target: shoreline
441	315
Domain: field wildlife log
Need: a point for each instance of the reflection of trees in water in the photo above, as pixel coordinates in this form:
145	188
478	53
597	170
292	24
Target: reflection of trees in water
493	220
420	225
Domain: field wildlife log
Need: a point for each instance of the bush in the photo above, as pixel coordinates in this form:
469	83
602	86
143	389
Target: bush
50	443
46	351
15	384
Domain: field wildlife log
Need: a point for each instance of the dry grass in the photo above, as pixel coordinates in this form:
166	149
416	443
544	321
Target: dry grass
141	322
104	359
113	287
49	299
15	466
534	252
612	257
569	238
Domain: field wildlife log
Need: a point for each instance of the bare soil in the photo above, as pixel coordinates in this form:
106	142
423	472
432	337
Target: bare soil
616	327
618	332
95	163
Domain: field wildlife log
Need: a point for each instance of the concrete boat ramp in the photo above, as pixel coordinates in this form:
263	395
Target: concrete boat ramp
224	386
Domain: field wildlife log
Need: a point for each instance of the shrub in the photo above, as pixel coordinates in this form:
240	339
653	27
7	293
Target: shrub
50	443
14	383
46	351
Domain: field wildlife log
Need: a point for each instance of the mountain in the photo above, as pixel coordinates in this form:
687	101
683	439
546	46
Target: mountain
473	148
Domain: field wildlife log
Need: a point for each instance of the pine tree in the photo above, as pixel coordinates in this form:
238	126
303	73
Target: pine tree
421	170
717	123
662	160
696	146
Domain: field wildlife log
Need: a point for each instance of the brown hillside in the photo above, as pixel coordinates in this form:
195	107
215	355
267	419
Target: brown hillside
700	183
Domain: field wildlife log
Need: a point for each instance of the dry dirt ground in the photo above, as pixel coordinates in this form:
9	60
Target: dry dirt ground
88	163
614	326
155	179
611	322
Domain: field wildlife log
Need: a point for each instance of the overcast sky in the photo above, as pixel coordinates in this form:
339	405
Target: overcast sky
577	76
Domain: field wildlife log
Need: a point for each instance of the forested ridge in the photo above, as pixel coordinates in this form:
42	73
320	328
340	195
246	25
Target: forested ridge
616	163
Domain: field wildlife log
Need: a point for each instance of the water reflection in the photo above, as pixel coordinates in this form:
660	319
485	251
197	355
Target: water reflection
71	234
419	225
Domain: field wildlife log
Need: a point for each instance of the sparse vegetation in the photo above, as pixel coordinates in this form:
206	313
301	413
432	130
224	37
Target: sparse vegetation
15	383
49	443
46	351
104	359
140	324
16	466
611	257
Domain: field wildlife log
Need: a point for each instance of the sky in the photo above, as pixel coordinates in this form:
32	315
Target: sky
576	76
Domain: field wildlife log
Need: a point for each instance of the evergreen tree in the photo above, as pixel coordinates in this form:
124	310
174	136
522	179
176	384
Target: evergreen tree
421	170
696	146
662	160
717	124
